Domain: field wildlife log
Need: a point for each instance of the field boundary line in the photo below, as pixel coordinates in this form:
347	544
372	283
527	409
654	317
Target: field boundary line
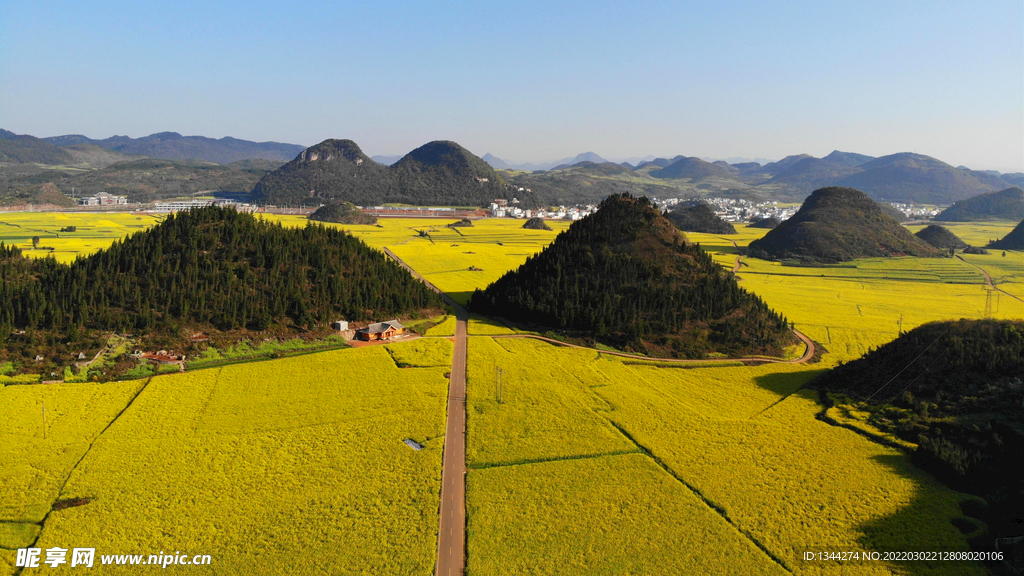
807	355
488	466
63	485
722	512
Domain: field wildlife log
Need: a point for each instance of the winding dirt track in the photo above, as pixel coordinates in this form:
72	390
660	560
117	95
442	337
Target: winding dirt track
807	355
988	278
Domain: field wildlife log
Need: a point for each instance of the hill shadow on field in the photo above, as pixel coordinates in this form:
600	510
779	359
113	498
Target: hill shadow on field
933	521
786	383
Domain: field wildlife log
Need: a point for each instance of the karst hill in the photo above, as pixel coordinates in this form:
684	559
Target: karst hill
626	276
839	224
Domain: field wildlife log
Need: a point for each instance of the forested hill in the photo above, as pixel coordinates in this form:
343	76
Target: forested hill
439	173
699	217
209	266
626	276
1006	204
1012	241
839	224
954	389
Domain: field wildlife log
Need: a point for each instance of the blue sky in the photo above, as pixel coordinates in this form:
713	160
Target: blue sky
530	81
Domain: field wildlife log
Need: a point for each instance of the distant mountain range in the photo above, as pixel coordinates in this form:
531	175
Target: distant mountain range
28	162
174	146
901	177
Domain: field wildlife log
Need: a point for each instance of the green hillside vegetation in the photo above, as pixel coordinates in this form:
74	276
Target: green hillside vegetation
837	225
536	224
907	177
24	149
1005	204
626	276
954	389
1012	241
769	223
342	213
940	237
809	174
436	174
699	217
174	146
693	169
210	267
573	186
141	180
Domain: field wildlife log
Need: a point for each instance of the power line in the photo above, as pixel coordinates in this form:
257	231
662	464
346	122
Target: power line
884	386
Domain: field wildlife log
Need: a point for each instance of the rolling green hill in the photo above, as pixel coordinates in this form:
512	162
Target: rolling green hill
699	217
1005	204
209	267
954	389
626	276
1012	241
438	173
839	224
174	146
940	237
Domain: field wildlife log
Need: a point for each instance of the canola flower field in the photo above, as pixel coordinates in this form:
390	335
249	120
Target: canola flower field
593	465
94	231
590	464
271	467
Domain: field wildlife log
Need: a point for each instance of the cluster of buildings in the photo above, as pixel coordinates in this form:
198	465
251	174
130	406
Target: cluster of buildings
916	212
737	209
179	205
503	209
102	199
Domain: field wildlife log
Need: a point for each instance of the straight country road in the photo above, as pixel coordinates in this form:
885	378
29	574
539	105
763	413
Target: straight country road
451	534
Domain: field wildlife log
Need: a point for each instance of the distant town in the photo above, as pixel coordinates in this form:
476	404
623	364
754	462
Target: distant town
729	209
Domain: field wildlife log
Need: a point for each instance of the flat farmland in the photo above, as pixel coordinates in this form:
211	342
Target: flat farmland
94	231
734	459
252	463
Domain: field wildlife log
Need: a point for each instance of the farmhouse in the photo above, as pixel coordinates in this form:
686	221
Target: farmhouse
381	331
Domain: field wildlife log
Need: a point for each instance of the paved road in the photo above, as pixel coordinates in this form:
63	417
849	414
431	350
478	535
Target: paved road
451	534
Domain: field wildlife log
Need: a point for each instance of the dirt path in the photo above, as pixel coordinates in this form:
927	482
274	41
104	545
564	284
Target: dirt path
451	533
988	279
807	355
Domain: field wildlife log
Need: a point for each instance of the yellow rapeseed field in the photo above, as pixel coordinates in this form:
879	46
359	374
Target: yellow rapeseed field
742	441
94	231
296	464
33	468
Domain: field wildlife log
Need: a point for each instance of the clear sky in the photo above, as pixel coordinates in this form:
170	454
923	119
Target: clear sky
530	81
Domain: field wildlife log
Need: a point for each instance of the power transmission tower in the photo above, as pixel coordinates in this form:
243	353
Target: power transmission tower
44	419
988	302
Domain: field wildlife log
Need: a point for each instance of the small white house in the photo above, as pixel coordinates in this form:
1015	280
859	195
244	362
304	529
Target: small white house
340	325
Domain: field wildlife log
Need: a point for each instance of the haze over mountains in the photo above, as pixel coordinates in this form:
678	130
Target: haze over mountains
27	162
